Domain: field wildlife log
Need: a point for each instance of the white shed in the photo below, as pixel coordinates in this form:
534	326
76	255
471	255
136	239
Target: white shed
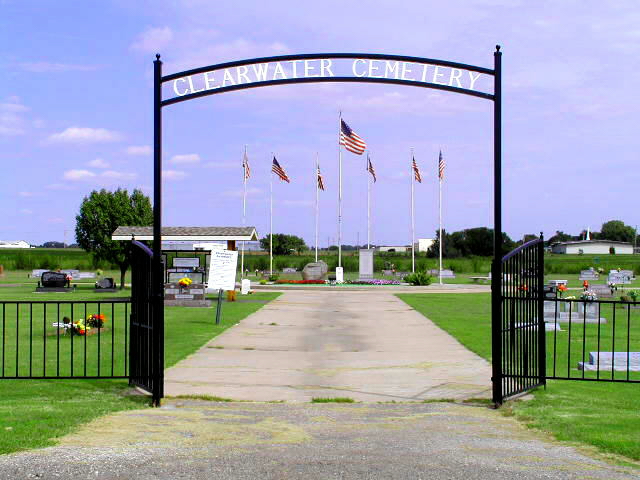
601	247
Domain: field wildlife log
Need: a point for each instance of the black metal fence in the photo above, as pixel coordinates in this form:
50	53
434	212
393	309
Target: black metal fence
593	340
64	339
521	339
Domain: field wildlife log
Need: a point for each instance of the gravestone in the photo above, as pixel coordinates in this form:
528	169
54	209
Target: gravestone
176	295
617	361
37	273
589	274
621	277
366	264
82	275
445	273
387	272
560	311
315	270
602	291
106	285
557	283
289	270
54	282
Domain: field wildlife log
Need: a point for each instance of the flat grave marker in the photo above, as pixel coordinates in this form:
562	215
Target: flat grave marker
617	361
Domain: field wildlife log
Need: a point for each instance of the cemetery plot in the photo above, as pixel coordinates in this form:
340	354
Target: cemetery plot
611	332
64	339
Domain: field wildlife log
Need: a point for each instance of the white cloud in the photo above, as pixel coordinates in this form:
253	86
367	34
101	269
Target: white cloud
75	175
85	135
12	120
26	211
112	174
153	40
26	194
15	107
139	150
98	163
49	67
191	53
186	158
173	174
8	131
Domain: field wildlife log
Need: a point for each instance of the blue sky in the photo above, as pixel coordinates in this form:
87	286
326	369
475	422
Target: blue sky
76	98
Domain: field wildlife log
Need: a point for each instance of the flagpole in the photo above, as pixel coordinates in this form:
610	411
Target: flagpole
339	191
440	239
271	219
317	198
244	207
368	204
413	224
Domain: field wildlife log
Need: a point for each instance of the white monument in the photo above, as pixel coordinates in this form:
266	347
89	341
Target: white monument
366	264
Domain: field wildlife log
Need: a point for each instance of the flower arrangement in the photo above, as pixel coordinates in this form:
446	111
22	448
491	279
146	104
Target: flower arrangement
185	282
588	296
523	288
284	281
562	289
96	320
375	281
79	328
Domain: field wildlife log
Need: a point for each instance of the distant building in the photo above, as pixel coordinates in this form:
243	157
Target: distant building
17	244
394	248
593	247
424	244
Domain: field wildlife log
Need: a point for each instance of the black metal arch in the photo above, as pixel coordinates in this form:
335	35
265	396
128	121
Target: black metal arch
315	56
496	97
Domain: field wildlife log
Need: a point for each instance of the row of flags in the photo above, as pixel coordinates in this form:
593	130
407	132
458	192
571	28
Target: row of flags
351	142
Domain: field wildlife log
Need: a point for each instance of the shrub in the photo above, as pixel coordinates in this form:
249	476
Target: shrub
418	278
273	277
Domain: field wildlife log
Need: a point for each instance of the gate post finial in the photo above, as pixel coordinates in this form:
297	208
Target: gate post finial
157	56
497	48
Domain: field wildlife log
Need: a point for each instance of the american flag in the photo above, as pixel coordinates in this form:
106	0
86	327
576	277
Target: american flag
370	169
245	166
441	166
416	171
278	170
320	180
351	140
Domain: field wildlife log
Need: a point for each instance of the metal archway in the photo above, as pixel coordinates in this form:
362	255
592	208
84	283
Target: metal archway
200	82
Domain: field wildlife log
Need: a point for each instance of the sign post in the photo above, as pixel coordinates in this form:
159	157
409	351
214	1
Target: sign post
222	275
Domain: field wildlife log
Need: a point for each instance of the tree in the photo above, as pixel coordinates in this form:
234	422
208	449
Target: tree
52	244
284	244
472	241
616	230
104	211
559	236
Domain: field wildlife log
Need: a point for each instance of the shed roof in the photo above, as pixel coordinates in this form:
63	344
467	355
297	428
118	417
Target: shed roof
197	234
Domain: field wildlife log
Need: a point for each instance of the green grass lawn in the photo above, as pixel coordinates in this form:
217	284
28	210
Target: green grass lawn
604	415
33	413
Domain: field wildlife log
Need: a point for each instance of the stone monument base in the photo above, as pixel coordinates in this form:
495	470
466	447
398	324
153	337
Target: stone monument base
187	303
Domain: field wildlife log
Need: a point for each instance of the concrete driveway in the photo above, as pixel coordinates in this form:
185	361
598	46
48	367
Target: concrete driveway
365	345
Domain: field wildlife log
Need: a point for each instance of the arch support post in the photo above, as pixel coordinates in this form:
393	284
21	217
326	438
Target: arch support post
157	287
496	270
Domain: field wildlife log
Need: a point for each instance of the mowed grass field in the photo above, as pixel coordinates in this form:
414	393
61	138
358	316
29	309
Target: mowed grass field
35	412
604	415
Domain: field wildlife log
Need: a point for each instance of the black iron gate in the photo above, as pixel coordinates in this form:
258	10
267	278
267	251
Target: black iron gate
146	350
519	356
